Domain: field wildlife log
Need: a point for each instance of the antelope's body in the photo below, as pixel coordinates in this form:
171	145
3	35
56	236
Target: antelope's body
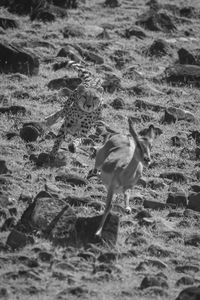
120	162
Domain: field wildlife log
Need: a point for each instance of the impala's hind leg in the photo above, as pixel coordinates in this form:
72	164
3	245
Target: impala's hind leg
126	200
107	209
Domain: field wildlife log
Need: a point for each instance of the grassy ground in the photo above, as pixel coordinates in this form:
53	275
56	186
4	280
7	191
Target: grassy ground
53	280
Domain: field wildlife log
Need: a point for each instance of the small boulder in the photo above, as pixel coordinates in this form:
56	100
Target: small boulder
175	176
156	21
73	30
190	293
31	131
194	201
193	240
185	57
118	103
16	60
13	109
159	48
72	179
151	280
178	198
134	31
112	3
17	240
6	23
3	167
64	82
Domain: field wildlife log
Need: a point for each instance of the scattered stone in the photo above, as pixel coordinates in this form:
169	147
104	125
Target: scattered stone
135	31
107	257
111	82
87	227
6	23
66	3
185	280
65	82
93	57
150	281
104	35
175	176
31	131
45	256
187	269
178	141
17	239
185	57
143	214
156	21
112	3
158	251
194	201
73	30
159	48
156	205
153	291
118	103
190	293
193	240
177	198
168	117
3	168
141	104
15	60
14	110
72	179
156	263
179	74
195	188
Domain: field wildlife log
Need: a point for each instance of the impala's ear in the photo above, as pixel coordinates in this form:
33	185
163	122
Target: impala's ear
80	88
151	132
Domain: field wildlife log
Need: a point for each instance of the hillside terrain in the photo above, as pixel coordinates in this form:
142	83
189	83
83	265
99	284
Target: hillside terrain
148	57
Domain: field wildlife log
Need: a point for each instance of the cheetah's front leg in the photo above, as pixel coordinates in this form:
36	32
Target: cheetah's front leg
59	139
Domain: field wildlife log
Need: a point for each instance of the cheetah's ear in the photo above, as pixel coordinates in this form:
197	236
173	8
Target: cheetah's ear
80	88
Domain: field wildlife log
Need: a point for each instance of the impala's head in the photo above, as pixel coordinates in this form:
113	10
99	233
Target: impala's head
144	143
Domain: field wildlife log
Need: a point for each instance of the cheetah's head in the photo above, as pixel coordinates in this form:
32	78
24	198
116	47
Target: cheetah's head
89	98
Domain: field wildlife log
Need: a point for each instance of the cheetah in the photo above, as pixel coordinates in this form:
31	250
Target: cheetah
81	111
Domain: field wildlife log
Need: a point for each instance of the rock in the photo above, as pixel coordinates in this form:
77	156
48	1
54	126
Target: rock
31	131
194	201
118	103
87	227
156	205
185	57
188	12
158	251
195	188
149	281
112	3
14	110
66	3
187	269
104	35
190	293
16	60
3	168
17	240
42	14
185	280
73	30
177	198
111	82
93	57
107	257
45	256
143	214
64	82
175	176
159	48
156	21
168	117
70	52
134	31
6	23
141	104
178	141
193	240
72	179
182	75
